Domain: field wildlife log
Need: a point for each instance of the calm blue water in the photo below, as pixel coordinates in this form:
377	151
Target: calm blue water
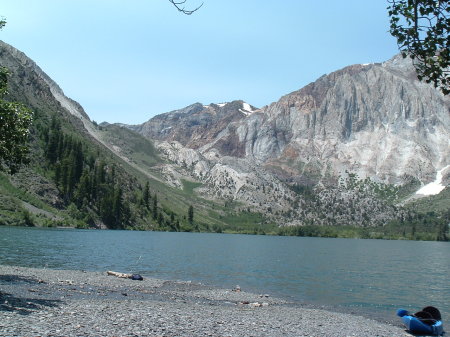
357	275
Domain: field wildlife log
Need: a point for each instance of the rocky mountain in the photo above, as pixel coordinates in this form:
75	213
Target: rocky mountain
350	149
374	122
80	173
197	125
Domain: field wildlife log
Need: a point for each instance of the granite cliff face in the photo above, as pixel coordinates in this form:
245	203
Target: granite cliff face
376	120
201	126
337	152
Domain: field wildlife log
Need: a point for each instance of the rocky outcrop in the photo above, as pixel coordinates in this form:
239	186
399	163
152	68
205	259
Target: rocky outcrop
376	120
225	178
198	126
34	84
374	124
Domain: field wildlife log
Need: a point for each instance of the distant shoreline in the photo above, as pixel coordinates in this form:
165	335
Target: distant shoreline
340	232
72	303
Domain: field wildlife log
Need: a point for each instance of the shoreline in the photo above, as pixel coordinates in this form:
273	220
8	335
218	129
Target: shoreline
321	235
47	302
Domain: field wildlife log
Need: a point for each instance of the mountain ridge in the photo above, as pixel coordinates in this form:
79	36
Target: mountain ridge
404	110
345	150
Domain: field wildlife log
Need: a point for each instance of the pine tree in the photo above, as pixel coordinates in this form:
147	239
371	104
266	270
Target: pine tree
442	234
57	174
160	219
93	191
191	214
155	207
52	148
83	190
100	172
79	160
105	209
146	195
117	207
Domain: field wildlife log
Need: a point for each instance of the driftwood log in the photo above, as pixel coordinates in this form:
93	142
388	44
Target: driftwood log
116	274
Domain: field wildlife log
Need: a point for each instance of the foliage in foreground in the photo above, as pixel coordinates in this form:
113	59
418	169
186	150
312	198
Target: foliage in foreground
421	28
15	121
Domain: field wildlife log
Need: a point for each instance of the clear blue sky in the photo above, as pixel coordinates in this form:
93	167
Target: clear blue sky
126	61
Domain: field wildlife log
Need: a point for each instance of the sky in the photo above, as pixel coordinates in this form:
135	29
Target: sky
127	61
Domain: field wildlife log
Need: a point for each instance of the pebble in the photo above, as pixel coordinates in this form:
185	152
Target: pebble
158	308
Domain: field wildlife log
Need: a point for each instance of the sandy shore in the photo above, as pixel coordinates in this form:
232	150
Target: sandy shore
44	302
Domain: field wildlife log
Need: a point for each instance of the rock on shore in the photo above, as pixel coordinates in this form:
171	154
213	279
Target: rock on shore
44	302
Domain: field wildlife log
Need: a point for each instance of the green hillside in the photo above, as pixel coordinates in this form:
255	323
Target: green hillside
86	175
74	180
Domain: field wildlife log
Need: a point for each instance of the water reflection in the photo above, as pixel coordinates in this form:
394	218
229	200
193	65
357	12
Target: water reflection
361	274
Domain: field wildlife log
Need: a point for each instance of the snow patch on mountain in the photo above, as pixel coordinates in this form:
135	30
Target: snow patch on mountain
246	109
434	187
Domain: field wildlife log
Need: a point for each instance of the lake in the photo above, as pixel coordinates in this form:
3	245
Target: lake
369	276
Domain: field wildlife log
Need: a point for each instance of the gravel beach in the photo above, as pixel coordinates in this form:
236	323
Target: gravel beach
45	302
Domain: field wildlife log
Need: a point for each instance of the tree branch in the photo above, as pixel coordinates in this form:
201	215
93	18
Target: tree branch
183	9
421	28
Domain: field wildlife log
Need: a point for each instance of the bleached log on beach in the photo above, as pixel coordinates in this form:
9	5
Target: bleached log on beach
117	274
